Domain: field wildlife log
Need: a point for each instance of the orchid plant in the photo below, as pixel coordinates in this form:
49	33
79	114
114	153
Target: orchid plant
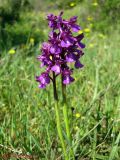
62	48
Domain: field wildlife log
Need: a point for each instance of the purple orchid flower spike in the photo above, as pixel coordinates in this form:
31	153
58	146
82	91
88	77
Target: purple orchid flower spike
61	49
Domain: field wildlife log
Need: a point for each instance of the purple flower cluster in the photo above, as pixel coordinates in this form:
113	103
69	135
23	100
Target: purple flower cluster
61	49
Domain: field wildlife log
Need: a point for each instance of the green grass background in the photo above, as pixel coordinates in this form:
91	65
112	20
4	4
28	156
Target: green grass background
27	116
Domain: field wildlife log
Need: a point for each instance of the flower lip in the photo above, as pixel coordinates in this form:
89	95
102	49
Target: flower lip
67	79
42	85
56	69
55	49
43	79
67	42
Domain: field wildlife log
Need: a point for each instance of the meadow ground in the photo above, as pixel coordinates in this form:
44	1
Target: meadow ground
27	115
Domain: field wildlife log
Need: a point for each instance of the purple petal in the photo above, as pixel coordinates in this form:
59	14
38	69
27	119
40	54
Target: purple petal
52	49
67	72
42	64
56	69
81	45
75	28
67	42
78	64
80	37
55	49
42	85
47	80
67	79
73	19
37	78
45	46
40	57
53	35
70	57
43	78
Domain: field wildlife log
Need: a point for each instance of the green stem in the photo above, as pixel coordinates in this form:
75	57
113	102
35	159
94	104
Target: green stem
66	120
57	110
60	130
65	112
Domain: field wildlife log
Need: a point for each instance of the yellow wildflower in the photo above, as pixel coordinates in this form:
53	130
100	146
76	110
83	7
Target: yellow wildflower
80	32
75	78
95	4
89	18
76	128
32	40
91	45
101	35
87	30
11	51
72	4
77	115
